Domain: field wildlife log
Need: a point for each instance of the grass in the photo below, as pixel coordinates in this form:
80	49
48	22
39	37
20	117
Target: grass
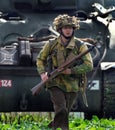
39	121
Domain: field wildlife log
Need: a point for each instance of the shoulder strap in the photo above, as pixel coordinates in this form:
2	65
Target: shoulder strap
52	44
78	43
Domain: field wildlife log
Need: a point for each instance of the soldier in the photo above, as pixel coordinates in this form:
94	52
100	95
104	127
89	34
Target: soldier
64	88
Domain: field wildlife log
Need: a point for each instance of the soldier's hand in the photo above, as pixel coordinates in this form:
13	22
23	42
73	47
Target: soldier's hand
44	76
66	71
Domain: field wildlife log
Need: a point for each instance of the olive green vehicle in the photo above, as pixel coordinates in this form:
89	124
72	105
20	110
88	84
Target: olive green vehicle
25	25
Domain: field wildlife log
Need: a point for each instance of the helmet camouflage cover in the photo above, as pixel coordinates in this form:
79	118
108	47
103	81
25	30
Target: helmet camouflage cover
65	20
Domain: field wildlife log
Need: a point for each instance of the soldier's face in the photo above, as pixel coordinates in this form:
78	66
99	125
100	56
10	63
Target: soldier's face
67	31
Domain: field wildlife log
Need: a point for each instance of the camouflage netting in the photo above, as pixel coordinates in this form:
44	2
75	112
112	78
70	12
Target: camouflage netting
65	20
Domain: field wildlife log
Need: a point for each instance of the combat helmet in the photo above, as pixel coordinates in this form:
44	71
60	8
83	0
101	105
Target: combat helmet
64	20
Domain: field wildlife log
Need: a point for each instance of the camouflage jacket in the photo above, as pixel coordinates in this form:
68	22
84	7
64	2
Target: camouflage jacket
60	54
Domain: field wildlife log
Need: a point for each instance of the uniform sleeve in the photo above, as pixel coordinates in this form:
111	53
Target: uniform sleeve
86	65
42	58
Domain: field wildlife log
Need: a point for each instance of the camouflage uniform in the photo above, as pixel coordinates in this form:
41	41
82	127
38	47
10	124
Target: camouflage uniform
63	89
68	83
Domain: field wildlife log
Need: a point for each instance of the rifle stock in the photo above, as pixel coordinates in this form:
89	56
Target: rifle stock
36	89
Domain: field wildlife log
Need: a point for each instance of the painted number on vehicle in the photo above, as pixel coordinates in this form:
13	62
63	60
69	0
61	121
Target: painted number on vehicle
5	83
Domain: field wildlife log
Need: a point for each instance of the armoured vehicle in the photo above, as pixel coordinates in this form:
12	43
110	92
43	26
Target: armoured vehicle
25	25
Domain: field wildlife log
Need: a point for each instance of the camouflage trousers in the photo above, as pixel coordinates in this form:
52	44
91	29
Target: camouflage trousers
62	103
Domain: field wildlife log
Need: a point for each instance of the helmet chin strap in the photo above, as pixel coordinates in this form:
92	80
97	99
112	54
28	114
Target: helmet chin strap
66	37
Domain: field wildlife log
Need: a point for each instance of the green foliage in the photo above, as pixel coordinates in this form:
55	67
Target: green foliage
40	122
94	124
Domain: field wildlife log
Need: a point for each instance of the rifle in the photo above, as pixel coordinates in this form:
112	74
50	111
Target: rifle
36	89
32	39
